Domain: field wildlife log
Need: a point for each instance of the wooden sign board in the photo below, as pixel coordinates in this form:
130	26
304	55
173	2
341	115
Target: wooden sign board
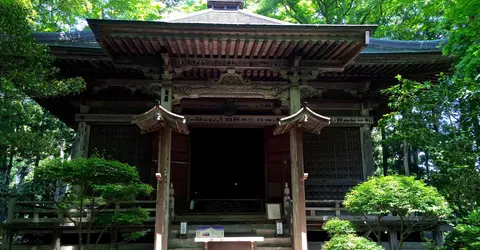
274	211
210	232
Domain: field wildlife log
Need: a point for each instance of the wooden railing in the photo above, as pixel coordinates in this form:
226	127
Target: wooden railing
47	212
324	208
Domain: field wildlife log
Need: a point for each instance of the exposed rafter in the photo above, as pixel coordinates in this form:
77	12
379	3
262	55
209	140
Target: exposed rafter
158	117
305	119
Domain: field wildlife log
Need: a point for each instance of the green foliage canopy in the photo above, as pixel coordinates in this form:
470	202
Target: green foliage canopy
344	238
64	15
401	196
28	133
95	184
397	19
466	235
397	195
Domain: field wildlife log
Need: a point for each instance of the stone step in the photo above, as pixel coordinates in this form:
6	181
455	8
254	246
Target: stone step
190	243
258	248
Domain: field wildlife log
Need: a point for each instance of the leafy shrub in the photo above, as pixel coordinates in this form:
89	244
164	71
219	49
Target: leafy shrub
466	235
344	238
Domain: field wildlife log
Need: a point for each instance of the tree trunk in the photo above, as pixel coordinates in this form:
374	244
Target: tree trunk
384	153
415	167
427	166
406	167
7	169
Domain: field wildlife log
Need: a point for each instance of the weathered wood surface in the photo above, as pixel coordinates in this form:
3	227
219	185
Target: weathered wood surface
298	189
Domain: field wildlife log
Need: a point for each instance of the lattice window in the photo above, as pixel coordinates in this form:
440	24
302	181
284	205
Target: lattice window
123	143
333	161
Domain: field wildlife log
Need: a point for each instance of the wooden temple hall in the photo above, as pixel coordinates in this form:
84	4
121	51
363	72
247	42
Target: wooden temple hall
237	120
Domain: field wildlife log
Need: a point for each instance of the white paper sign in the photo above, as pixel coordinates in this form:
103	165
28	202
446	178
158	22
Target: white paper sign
183	227
274	211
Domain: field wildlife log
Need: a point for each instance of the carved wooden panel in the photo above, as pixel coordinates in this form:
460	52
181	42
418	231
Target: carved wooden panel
277	154
333	161
123	143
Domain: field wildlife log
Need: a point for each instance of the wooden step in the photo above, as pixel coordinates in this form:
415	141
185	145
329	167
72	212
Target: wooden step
237	218
190	242
258	248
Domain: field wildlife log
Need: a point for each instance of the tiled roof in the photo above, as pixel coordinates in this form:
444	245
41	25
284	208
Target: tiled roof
86	39
224	17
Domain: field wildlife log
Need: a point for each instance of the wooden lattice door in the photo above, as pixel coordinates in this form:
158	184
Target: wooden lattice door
277	161
179	166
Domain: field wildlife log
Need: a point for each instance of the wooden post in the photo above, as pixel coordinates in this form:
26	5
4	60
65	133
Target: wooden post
162	216
438	236
83	134
57	233
12	200
298	187
114	232
393	238
367	151
8	240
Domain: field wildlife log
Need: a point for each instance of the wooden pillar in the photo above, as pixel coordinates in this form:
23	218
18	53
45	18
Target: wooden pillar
367	151
163	186
83	134
393	234
56	244
7	242
298	187
438	236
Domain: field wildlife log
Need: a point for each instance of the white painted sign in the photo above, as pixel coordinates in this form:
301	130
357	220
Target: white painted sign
210	232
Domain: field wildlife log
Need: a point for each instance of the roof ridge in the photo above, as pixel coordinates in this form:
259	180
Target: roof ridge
266	18
184	16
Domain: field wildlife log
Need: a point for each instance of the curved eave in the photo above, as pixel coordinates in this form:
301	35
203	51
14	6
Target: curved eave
305	119
158	117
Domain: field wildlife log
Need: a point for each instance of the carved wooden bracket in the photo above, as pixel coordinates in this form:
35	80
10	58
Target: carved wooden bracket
231	78
231	91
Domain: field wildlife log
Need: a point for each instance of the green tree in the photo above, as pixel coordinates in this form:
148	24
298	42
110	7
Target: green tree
96	184
65	15
405	19
343	237
466	235
441	120
401	196
27	132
